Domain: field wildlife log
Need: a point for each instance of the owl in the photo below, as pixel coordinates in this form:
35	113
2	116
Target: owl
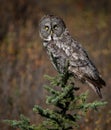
63	49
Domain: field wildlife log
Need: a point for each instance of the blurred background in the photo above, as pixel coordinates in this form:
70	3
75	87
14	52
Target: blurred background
23	60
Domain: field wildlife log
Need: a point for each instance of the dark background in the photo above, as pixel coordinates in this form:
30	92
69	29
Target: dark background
23	60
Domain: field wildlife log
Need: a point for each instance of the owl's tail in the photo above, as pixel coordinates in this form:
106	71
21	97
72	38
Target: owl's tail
96	85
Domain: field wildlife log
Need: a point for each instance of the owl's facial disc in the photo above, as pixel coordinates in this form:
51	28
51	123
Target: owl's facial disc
51	27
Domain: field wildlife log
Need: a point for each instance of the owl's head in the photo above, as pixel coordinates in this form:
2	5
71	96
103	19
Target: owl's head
51	27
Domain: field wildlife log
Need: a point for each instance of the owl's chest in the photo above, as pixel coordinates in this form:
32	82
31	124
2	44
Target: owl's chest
59	49
57	55
52	47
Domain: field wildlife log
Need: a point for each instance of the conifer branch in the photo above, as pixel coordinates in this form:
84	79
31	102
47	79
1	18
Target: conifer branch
68	106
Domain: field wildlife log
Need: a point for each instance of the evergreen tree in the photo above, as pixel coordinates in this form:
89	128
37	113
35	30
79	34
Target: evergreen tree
68	107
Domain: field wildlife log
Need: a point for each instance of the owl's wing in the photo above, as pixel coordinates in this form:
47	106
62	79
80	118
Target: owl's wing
80	62
84	69
79	57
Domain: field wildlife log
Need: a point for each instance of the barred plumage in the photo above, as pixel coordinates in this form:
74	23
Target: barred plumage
62	48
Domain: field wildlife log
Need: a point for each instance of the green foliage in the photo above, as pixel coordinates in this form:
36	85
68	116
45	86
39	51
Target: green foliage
23	123
69	107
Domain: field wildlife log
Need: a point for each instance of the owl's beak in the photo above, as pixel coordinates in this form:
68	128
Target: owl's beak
51	32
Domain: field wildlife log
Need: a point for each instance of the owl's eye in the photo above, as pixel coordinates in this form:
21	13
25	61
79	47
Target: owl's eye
46	28
55	26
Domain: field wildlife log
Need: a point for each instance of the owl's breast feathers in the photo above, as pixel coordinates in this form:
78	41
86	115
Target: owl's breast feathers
66	49
57	55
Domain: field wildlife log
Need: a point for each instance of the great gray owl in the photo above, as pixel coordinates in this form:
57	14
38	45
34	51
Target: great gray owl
62	48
